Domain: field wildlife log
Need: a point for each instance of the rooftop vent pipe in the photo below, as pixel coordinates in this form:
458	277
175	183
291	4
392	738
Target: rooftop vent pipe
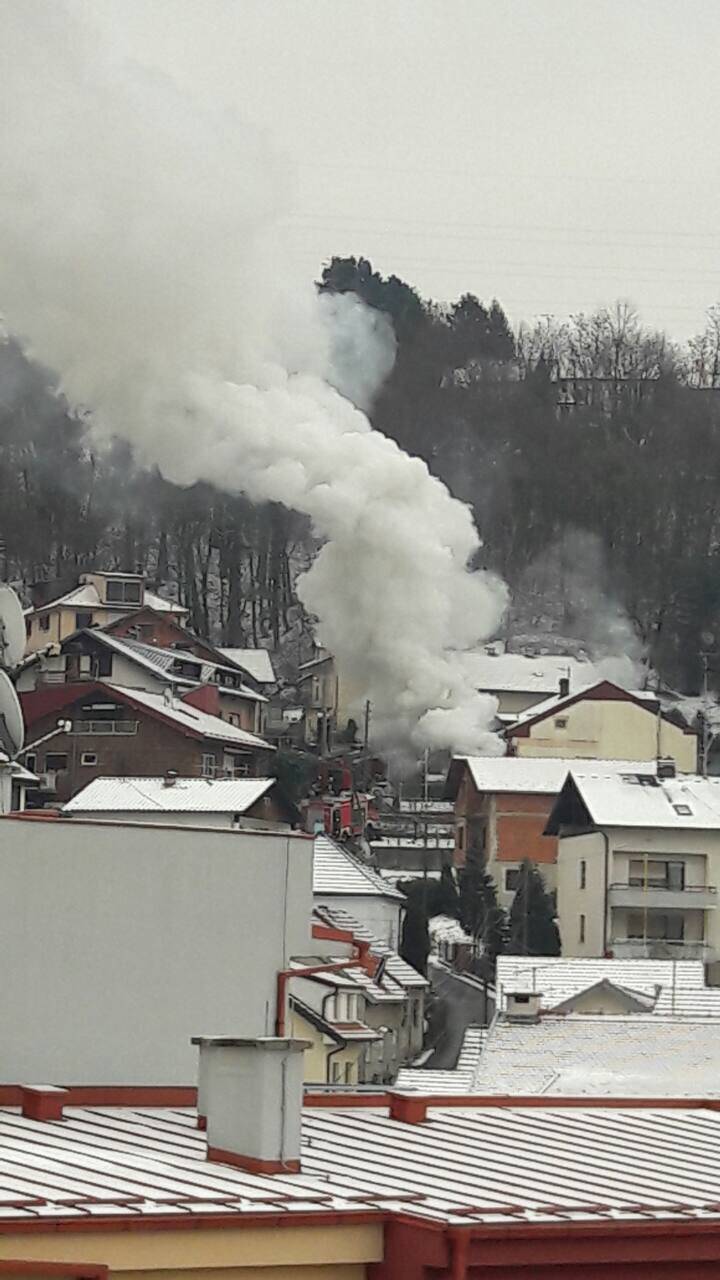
666	767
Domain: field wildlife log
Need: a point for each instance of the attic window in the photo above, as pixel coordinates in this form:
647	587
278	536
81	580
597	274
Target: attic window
683	809
561	722
640	779
118	591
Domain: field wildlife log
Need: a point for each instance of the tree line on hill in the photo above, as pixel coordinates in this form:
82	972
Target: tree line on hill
593	431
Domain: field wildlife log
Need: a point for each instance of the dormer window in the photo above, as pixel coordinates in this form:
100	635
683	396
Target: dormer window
123	591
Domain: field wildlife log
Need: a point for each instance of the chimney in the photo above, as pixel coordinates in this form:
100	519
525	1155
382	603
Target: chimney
564	686
170	778
666	767
206	698
523	1006
42	1101
250	1095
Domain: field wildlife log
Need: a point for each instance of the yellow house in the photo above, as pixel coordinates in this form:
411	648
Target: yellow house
603	722
329	699
330	1057
98	599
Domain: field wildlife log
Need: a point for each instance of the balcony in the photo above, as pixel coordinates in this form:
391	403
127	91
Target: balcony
659	949
662	897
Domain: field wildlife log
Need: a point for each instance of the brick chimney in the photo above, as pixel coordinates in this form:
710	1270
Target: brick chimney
250	1095
564	686
206	698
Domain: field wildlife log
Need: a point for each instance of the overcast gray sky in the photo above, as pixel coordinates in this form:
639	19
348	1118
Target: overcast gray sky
557	154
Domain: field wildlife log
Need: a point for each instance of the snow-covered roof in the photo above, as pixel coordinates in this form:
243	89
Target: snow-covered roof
336	871
466	1166
557	702
455	1081
447	929
257	662
626	799
544	775
161	661
394	966
514	673
189	717
87	596
635	1055
677	985
193	795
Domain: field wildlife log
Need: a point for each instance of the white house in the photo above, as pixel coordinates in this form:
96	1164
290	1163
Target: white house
343	882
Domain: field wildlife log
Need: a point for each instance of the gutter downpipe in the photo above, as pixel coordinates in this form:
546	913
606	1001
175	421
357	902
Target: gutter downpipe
460	1254
606	839
284	976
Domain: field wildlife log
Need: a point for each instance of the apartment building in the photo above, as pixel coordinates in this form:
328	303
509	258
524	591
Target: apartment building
638	864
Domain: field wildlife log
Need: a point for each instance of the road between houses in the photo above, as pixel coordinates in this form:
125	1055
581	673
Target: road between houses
465	1003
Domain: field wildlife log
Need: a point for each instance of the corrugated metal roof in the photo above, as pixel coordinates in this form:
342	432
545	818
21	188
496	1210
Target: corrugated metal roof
489	1165
336	871
196	795
257	663
453	1082
544	776
687	802
679	985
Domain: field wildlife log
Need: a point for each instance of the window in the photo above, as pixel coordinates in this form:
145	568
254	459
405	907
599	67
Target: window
237	766
512	879
683	810
335	1072
118	591
656	873
655	926
28	626
88	757
83	618
31	762
581	931
208	767
561	722
348	1072
461	837
55	761
582	874
44	622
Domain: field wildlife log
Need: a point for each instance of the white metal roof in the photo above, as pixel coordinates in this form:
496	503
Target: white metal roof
189	717
257	663
679	985
336	871
196	795
544	776
465	1165
619	799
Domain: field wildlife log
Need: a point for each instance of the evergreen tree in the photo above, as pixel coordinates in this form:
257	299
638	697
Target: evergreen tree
533	930
447	898
415	940
480	912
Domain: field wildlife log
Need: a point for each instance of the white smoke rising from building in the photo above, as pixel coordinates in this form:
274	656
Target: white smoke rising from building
139	259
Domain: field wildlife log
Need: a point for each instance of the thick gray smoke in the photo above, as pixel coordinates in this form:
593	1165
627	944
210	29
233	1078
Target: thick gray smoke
139	259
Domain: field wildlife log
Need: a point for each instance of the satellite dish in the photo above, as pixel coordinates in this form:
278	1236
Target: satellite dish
12	628
12	729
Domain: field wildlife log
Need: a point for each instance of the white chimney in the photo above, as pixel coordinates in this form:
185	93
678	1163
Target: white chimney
523	1006
250	1095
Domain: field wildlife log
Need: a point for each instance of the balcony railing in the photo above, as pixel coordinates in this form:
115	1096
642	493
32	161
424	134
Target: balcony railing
638	897
659	949
104	728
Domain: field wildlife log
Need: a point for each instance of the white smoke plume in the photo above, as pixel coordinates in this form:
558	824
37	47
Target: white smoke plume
140	260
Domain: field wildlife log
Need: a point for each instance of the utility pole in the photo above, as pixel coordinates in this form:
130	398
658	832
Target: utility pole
366	731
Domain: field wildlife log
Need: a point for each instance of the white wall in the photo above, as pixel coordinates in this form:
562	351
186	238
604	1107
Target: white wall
382	916
573	901
117	944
